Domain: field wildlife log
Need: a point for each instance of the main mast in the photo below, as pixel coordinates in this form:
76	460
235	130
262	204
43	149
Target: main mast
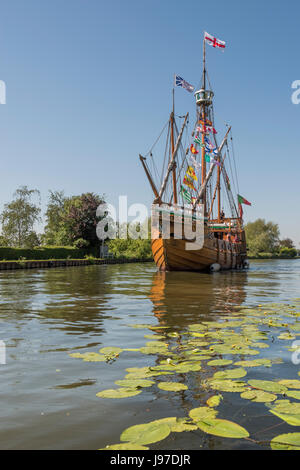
203	100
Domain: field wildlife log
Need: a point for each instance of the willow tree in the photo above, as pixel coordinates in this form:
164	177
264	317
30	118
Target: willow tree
19	217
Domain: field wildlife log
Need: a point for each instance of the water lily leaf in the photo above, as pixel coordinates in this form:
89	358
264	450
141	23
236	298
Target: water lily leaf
146	433
134	383
287	411
159	344
178	424
203	413
223	428
286	336
118	393
125	446
172	386
290	383
293	394
187	367
219	362
290	441
258	396
89	357
227	385
230	374
110	350
154	350
268	386
254	363
293	420
214	400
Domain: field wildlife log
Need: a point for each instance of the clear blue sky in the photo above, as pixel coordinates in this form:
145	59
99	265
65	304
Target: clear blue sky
89	88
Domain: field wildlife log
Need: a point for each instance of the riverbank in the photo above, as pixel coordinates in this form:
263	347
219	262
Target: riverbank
57	263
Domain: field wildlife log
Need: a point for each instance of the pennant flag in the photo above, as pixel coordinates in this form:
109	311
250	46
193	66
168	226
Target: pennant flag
241	210
180	82
207	158
198	140
186	195
193	150
191	172
202	129
189	182
214	42
195	163
242	200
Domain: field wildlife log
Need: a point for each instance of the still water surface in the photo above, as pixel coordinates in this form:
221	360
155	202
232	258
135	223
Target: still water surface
48	399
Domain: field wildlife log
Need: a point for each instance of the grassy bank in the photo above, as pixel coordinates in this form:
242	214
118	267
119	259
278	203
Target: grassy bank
45	253
270	256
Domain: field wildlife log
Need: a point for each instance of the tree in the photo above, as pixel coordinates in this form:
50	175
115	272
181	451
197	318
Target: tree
71	220
287	243
80	217
19	216
55	232
262	237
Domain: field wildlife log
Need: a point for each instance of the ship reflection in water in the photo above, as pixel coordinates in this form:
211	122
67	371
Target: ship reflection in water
182	298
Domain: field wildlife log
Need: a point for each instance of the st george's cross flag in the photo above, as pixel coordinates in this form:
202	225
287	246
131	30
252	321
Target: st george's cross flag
178	81
214	42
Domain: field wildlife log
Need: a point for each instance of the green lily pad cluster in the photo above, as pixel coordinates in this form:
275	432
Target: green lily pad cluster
216	355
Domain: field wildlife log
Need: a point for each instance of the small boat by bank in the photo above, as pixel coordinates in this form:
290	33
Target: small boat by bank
195	183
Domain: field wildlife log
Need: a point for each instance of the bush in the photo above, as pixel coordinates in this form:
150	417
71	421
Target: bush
81	243
46	252
288	252
130	248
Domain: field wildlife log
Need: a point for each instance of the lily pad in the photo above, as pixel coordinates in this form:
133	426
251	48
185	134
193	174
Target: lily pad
219	362
172	386
203	413
89	357
223	428
230	374
293	394
290	441
259	396
110	350
268	386
118	393
254	363
227	385
137	383
125	446
214	400
148	433
290	383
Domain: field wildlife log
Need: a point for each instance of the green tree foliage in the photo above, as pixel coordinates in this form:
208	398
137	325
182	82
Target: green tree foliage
130	248
55	232
19	217
72	220
286	242
262	237
288	252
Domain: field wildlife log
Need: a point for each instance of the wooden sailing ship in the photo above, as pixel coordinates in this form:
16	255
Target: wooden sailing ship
195	180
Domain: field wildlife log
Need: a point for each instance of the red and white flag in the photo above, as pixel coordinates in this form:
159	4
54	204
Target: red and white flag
214	42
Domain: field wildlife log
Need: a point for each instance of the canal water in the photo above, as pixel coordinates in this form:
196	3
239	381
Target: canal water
48	398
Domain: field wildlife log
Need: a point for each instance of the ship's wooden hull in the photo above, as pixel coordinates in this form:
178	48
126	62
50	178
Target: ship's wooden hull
172	255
